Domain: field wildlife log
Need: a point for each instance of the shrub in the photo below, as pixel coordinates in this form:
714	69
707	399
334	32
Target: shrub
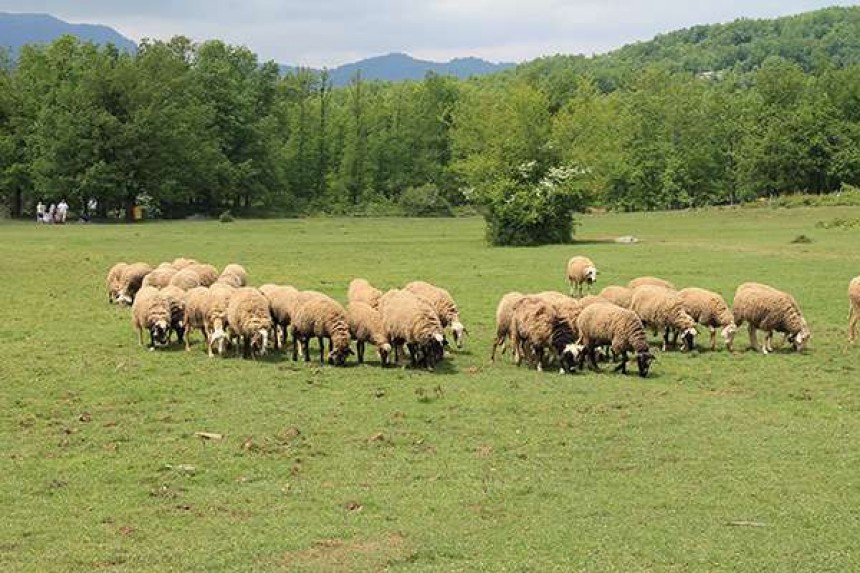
424	201
226	217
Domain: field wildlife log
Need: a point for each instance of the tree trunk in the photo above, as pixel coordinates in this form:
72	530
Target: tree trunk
129	207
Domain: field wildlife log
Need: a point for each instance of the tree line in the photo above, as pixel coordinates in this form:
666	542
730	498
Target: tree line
187	128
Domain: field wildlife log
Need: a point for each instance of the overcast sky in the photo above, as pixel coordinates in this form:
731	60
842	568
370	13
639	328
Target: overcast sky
330	33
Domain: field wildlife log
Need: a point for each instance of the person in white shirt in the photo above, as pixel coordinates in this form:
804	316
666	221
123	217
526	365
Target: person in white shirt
51	212
40	212
62	209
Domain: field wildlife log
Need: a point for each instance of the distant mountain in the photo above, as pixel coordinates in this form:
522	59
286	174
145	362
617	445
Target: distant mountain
398	67
19	29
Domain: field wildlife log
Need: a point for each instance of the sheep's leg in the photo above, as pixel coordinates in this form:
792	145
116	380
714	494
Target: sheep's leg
622	366
539	358
188	339
246	347
592	357
413	358
754	340
666	339
571	290
768	341
713	338
295	345
853	315
321	342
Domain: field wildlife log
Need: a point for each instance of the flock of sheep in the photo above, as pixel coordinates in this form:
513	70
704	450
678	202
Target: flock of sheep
184	295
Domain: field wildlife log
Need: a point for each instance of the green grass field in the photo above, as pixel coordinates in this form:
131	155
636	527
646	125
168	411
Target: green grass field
716	462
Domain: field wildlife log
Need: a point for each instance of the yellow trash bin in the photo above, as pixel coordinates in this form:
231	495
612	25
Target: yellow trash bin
137	213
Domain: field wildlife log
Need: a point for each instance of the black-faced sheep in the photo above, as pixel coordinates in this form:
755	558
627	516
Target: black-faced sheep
853	307
446	308
537	325
766	308
324	318
661	308
131	280
602	324
150	311
365	325
580	270
248	318
113	282
504	315
362	291
710	309
411	320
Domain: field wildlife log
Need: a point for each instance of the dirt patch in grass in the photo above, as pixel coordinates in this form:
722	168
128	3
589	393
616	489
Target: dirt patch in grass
350	555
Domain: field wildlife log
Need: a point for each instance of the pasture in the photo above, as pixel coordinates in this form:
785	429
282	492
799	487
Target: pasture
715	462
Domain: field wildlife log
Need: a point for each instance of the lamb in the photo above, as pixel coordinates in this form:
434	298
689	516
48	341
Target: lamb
150	310
621	328
411	320
650	281
186	279
537	325
282	305
248	318
131	281
113	282
365	325
504	315
232	272
207	273
175	297
160	277
446	308
618	295
322	317
581	270
710	309
766	308
362	291
854	310
182	263
661	308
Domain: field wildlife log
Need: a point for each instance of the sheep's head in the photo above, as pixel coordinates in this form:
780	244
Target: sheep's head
123	298
459	331
384	350
338	356
434	350
689	338
260	341
591	275
728	334
159	330
800	339
570	356
643	361
218	335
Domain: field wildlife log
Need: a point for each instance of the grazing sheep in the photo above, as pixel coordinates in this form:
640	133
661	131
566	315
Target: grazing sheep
365	325
131	281
566	307
160	277
113	282
854	310
196	307
324	318
216	316
535	326
650	281
446	308
166	266
618	295
661	308
766	308
504	315
248	318
182	263
362	291
186	279
411	320
590	299
581	270
282	305
150	311
710	309
176	299
207	273
231	280
237	271
601	324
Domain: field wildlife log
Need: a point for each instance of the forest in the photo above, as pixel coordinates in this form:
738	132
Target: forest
710	115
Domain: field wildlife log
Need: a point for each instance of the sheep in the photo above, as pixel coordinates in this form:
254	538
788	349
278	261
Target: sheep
216	316
196	307
248	318
131	281
182	263
282	306
234	271
411	320
581	270
661	308
186	279
504	314
446	308
113	282
650	281
362	291
207	273
175	297
618	295
231	280
365	325
166	266
621	328
322	317
854	307
537	325
766	308
710	309
568	308
160	277
590	299
150	310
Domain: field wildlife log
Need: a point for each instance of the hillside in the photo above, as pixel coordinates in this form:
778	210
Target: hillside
16	30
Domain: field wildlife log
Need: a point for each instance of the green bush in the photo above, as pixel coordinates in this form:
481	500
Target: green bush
424	201
226	217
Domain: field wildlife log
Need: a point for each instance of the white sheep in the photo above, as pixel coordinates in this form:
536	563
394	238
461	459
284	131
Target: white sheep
580	270
160	277
186	279
650	281
175	297
854	307
182	263
766	308
113	282
234	275
710	309
150	311
535	326
621	328
504	315
207	273
446	308
365	325
131	280
411	320
196	307
324	318
362	291
661	308
248	318
282	305
618	295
